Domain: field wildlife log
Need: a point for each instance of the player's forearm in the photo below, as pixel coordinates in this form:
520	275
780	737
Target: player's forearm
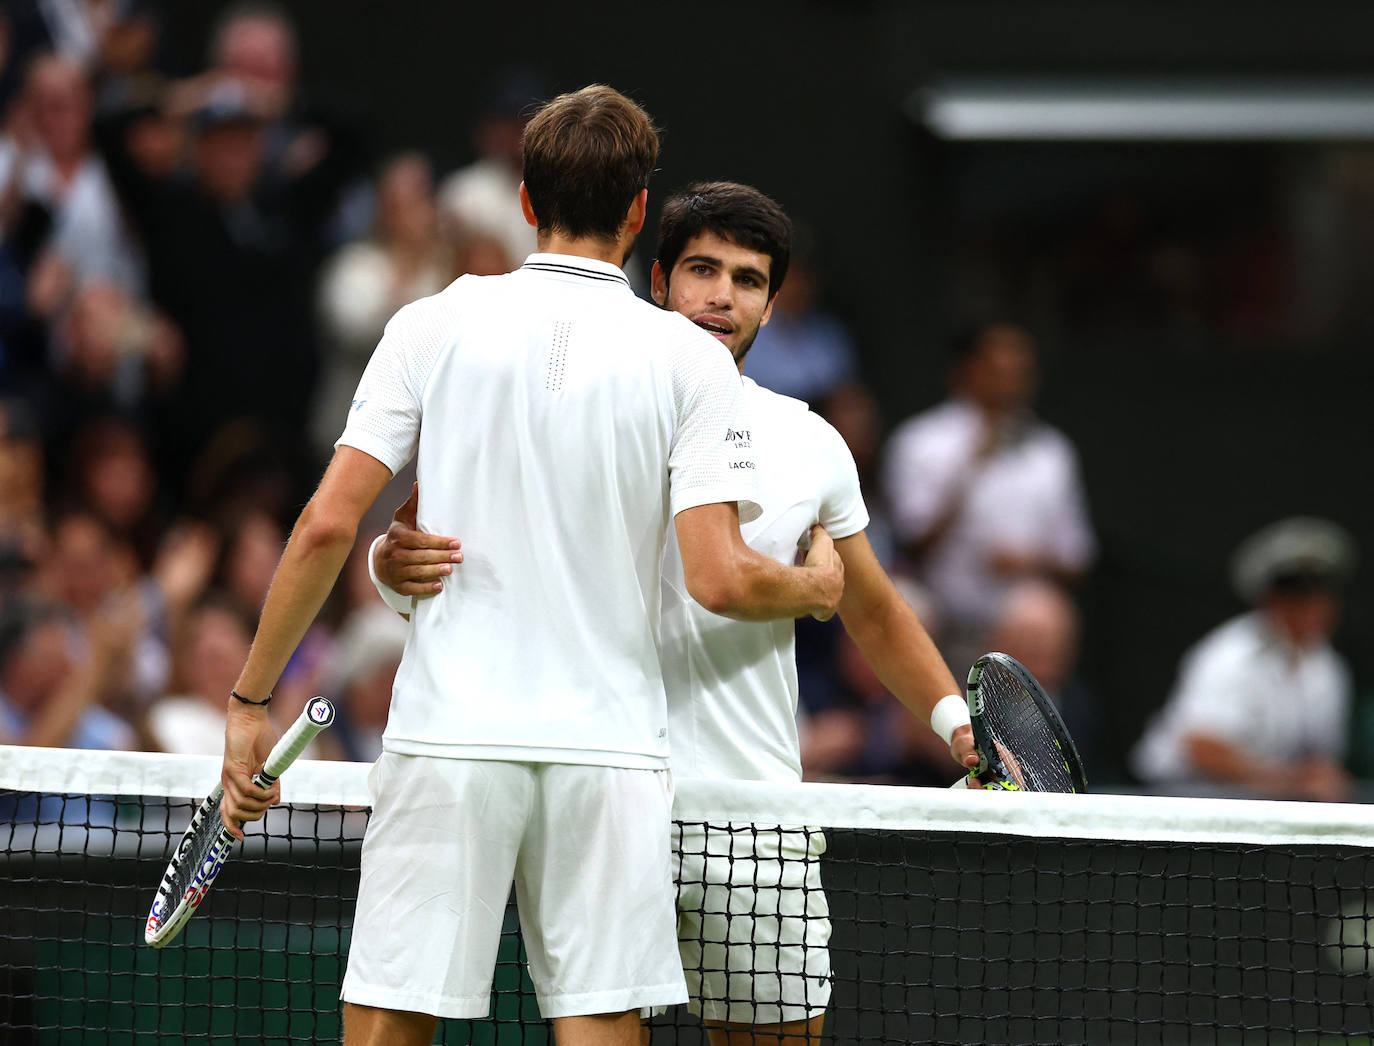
318	548
760	589
895	643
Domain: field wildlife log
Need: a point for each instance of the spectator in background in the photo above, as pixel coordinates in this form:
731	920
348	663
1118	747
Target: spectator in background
483	197
49	157
1262	703
190	720
52	684
1039	627
804	351
22	535
984	495
365	283
233	233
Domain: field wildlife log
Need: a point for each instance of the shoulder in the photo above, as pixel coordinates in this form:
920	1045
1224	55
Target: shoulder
1231	646
944	426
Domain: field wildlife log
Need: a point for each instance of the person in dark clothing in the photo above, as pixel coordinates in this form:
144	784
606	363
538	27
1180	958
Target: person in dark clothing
233	249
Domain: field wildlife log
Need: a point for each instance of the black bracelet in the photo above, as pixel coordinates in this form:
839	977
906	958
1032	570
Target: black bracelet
239	697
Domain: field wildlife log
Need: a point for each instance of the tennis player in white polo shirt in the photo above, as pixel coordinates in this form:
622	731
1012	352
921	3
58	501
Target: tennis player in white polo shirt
560	424
732	686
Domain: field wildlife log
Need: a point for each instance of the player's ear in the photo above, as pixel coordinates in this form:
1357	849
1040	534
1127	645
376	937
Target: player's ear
527	207
768	311
658	280
639	210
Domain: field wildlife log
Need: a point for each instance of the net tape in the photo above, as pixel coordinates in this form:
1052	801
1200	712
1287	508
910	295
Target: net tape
955	917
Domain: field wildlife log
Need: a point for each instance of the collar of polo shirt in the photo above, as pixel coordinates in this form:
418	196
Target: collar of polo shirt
576	267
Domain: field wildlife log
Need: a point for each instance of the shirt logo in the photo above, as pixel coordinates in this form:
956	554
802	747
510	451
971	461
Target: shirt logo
358	404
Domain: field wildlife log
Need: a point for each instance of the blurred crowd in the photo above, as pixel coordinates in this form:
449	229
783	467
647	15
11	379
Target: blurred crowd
193	274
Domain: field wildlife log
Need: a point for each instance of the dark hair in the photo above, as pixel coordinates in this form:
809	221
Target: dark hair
735	212
969	338
587	156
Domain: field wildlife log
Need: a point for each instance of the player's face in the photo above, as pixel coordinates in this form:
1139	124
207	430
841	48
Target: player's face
721	287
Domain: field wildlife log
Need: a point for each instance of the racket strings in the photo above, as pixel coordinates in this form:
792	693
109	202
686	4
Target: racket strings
1015	723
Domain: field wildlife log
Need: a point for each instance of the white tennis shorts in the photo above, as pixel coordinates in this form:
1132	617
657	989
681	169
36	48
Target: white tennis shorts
588	848
753	923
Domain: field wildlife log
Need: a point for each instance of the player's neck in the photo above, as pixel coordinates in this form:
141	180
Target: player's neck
612	251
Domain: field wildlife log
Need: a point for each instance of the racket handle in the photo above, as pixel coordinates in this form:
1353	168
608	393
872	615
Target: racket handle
318	714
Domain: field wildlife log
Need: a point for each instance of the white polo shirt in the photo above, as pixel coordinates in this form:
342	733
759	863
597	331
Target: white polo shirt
732	685
560	423
1244	684
1026	498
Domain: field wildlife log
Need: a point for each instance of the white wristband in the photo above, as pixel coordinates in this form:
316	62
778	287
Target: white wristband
948	715
397	602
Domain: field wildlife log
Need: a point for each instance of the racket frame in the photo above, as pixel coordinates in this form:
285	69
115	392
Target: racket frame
169	914
990	761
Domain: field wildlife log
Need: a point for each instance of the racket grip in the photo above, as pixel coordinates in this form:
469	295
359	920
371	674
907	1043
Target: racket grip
318	714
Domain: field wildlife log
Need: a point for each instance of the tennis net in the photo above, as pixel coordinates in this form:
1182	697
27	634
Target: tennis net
953	917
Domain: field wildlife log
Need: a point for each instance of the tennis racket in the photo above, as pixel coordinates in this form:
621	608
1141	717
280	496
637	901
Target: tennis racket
207	844
1022	742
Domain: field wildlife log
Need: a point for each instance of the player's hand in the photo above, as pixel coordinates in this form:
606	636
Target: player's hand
248	740
409	560
962	748
822	557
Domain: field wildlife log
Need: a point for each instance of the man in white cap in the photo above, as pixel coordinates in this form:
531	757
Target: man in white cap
1262	702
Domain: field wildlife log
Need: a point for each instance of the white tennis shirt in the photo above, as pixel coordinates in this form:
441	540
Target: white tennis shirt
732	685
560	423
1244	684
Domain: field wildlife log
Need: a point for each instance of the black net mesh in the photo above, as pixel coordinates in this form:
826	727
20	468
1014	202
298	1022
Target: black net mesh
933	937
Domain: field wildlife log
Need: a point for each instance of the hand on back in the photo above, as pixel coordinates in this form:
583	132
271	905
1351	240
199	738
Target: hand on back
409	560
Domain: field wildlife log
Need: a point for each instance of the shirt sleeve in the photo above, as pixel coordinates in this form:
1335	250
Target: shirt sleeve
711	459
842	510
384	417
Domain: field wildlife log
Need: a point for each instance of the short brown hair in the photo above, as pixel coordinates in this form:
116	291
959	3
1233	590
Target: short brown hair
587	156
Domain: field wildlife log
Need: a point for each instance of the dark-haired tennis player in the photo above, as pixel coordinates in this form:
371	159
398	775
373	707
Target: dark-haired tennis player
560	424
732	686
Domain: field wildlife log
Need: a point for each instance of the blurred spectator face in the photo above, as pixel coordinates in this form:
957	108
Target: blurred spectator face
38	665
21	468
799	295
406	209
88	563
156	143
228	158
1307	615
258	50
1039	627
480	255
1000	374
500	137
216	647
721	287
253	556
853	410
116	476
61	106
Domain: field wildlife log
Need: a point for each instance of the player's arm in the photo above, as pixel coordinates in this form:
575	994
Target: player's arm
891	637
314	555
406	562
728	577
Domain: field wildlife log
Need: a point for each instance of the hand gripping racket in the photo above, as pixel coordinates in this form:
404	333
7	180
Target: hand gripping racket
207	844
1022	742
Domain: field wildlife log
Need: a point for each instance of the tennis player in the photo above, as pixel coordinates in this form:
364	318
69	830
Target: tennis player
732	686
560	424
